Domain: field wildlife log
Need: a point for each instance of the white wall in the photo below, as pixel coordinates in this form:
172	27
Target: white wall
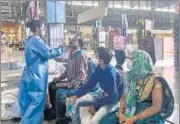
168	47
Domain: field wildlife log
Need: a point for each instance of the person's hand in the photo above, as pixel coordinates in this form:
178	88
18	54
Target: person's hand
62	48
73	98
48	105
92	110
122	117
131	120
56	79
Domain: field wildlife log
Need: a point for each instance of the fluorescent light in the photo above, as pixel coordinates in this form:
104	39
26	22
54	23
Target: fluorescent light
118	6
126	7
158	10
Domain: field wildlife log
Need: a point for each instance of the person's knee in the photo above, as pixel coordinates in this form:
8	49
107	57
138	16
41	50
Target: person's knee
85	100
78	101
94	121
77	104
61	95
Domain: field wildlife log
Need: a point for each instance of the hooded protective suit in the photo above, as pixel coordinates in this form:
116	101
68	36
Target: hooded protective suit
33	85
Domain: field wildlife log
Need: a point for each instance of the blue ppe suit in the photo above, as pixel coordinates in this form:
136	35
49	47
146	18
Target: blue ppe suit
33	85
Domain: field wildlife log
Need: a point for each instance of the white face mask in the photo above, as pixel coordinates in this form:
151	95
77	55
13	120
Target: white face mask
129	64
95	60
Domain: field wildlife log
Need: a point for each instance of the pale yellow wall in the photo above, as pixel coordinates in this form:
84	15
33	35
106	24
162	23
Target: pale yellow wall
12	31
87	32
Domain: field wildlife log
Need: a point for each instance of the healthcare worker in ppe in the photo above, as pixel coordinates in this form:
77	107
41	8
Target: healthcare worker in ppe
33	85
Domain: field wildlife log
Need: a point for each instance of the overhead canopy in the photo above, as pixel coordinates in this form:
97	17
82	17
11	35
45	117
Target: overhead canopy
93	14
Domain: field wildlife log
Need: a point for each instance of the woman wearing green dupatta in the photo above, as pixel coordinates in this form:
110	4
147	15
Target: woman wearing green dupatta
142	99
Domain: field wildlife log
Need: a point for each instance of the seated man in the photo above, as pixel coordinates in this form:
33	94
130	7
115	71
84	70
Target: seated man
74	76
104	100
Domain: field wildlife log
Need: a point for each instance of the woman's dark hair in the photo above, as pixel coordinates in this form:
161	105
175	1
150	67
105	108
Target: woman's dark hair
2	33
105	54
33	24
148	32
117	30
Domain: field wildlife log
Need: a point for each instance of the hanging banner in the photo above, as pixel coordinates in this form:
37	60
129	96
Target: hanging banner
102	36
56	35
123	32
60	12
51	13
149	25
33	10
124	21
178	7
56	12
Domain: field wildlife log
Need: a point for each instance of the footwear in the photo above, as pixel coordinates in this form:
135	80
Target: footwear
58	122
63	121
16	119
49	114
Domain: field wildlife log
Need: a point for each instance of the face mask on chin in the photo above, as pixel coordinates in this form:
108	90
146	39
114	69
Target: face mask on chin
100	62
72	48
95	60
38	30
129	64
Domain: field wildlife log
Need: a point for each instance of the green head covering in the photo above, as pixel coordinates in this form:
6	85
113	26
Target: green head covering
142	65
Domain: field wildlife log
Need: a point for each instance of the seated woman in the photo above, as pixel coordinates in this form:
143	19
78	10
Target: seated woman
143	94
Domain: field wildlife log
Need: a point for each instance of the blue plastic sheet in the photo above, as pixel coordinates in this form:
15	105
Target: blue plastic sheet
56	12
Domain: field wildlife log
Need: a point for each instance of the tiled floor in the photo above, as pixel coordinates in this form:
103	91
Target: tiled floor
164	67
